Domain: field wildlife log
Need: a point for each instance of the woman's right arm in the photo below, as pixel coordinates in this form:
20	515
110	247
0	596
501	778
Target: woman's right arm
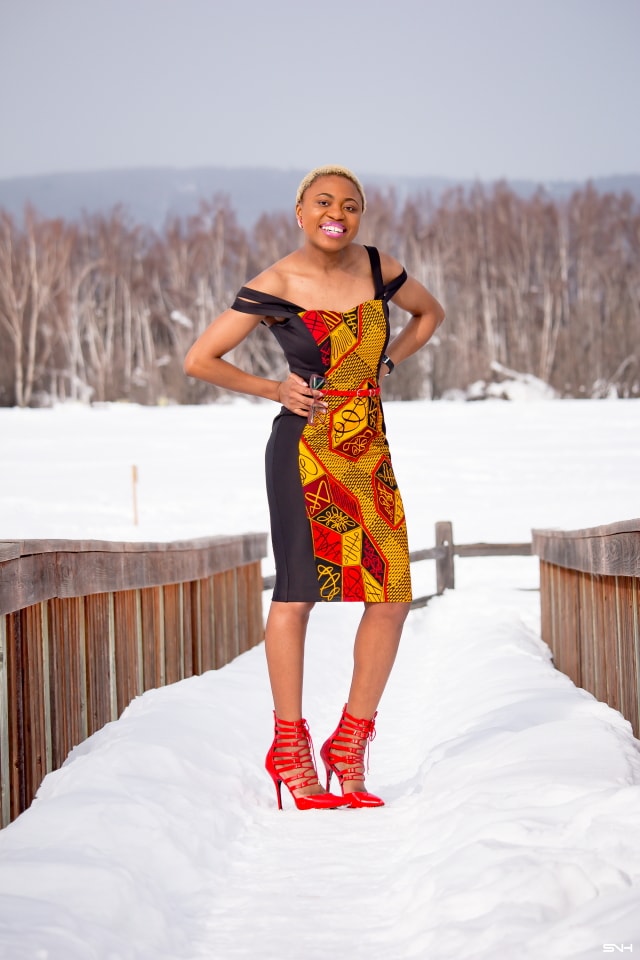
204	359
205	362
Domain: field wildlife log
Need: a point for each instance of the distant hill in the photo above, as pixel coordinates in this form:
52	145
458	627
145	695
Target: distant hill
150	195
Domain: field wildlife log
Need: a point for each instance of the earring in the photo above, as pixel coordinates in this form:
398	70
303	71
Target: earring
300	222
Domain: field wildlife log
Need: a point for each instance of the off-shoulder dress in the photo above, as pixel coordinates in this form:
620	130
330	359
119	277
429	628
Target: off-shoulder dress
337	521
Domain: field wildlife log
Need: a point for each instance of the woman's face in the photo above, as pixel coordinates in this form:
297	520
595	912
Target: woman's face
330	211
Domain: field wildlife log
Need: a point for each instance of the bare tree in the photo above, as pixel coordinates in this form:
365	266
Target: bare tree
106	309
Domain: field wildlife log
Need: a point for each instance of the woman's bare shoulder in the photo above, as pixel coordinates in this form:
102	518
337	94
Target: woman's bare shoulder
274	280
391	268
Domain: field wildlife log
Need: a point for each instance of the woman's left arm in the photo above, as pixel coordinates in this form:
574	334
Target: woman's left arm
426	316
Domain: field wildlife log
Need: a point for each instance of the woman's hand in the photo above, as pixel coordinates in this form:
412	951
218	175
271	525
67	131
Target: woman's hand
297	396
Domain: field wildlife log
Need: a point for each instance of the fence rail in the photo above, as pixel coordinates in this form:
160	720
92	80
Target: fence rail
87	626
590	607
444	553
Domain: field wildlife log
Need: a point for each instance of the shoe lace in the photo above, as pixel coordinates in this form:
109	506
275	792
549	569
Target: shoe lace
293	754
351	744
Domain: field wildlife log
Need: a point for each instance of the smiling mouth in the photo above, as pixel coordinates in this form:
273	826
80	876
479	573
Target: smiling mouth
333	229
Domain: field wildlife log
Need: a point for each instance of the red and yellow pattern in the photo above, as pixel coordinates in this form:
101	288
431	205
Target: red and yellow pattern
352	500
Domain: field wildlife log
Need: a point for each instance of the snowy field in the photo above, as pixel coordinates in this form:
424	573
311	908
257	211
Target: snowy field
512	824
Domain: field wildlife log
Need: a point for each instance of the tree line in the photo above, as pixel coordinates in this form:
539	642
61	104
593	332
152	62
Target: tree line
103	309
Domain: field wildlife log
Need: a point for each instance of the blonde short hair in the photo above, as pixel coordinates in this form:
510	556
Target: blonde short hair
330	171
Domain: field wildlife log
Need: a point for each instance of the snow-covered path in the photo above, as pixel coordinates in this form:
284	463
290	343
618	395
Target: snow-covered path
512	825
483	850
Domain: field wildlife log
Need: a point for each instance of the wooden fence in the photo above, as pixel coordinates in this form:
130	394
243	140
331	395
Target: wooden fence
590	605
446	550
87	626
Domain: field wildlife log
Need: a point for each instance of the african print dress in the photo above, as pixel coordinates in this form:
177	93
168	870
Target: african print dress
337	521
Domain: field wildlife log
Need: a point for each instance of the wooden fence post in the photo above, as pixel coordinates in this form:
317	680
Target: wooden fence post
445	575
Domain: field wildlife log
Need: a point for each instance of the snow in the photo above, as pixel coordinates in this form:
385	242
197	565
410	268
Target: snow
513	386
512	824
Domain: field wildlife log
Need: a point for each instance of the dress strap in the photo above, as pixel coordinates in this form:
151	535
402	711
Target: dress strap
376	270
391	288
383	291
262	304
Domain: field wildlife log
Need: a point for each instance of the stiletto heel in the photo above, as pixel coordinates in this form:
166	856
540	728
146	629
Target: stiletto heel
290	761
278	784
346	746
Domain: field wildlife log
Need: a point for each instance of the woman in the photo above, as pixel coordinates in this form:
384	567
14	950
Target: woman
337	522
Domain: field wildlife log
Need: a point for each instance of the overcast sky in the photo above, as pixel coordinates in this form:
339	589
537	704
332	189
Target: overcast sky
536	89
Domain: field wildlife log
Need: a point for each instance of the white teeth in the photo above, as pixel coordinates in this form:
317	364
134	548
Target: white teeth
333	229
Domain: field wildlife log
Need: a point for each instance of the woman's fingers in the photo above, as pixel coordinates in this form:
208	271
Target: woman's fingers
297	396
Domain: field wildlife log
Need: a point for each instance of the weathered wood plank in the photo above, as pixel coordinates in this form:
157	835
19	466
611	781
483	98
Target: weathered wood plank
209	638
628	634
586	633
492	550
604	530
10	549
250	605
195	626
25	581
242	609
18	797
173	630
606	590
100	679
247	543
568	622
59	568
613	550
600	628
224	621
128	667
68	676
445	572
152	638
430	553
186	653
255	615
35	704
5	764
560	618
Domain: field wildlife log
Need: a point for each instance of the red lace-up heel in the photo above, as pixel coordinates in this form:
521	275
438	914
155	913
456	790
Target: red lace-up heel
290	761
343	754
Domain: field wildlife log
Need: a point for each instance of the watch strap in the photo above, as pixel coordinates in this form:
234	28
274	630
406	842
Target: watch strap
388	362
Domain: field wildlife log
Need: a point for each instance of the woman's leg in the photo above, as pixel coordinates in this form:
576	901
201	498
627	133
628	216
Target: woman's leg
374	653
284	645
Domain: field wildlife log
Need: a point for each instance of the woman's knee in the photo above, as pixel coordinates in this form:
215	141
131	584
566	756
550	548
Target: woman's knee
296	610
394	612
302	610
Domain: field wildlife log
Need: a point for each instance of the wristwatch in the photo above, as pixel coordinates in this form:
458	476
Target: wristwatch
389	362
